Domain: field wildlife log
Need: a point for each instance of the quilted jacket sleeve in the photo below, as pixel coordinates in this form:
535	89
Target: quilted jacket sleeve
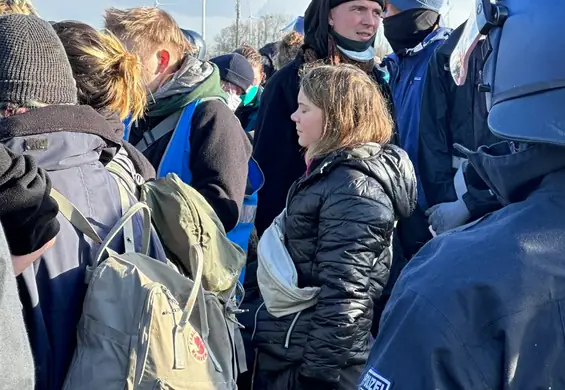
355	226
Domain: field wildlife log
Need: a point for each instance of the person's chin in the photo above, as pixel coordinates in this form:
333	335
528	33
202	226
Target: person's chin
302	143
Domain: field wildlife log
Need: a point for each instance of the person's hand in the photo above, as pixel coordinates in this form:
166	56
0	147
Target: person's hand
446	216
20	263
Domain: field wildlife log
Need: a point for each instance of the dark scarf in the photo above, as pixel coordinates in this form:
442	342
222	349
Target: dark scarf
408	29
350	44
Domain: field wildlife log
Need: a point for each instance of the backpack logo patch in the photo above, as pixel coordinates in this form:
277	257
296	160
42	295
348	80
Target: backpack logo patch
374	381
197	347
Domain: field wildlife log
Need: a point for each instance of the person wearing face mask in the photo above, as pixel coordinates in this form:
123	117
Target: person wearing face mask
186	105
482	306
237	78
412	27
236	75
336	32
251	100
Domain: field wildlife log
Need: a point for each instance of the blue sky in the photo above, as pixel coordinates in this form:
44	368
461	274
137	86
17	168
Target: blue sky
220	13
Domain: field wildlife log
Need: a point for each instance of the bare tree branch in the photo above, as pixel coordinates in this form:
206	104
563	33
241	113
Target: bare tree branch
256	32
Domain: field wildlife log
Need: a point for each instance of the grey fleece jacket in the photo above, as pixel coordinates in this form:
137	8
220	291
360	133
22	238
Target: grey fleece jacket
16	362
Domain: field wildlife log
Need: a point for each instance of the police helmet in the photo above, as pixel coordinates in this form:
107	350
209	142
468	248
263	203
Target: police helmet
524	72
197	42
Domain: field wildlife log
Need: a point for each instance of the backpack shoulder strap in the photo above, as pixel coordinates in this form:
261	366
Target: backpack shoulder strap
74	216
79	221
179	145
164	127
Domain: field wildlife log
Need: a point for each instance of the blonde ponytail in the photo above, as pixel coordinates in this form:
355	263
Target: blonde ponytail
124	89
109	78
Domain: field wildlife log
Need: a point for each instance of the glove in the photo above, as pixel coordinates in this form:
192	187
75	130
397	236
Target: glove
446	216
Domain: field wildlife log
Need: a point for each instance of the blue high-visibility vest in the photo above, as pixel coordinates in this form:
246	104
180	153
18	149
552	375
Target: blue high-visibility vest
127	127
176	159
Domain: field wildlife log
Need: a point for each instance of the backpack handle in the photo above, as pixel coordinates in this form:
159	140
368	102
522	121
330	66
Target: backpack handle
179	347
191	301
133	210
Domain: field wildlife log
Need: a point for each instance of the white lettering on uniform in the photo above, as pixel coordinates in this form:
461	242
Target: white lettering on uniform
374	381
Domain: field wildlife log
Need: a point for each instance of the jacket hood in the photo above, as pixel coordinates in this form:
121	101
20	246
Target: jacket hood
57	133
387	164
193	81
114	121
513	176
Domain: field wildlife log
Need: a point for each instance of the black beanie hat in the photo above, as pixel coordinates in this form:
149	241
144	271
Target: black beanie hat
234	68
34	64
316	24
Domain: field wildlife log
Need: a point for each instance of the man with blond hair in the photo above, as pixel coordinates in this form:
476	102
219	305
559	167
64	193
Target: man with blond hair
187	106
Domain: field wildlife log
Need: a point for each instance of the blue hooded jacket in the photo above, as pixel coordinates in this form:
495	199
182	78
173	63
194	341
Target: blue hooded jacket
407	78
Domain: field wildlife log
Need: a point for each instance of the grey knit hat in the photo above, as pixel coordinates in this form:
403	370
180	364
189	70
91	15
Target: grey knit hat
33	63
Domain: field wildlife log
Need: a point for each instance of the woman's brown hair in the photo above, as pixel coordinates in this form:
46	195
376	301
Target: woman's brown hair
108	77
289	48
355	111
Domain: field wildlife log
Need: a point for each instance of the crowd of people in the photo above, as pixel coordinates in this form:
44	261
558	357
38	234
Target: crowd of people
400	219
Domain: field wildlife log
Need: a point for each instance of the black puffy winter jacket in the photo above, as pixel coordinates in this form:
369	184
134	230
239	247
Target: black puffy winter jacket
340	218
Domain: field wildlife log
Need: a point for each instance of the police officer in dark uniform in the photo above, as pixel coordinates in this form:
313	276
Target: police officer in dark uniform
482	306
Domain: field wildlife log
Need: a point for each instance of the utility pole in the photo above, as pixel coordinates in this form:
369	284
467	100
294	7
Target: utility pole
203	19
237	19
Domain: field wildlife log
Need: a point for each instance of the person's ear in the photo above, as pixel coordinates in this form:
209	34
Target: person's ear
164	60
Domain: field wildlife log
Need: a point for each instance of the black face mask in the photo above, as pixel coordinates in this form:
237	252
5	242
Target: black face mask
409	28
350	44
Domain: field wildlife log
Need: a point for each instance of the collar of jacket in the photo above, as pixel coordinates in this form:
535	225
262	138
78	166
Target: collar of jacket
59	118
195	80
439	34
388	164
512	177
55	119
323	164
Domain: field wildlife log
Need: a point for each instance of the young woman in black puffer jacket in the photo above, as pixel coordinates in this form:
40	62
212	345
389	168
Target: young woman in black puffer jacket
338	231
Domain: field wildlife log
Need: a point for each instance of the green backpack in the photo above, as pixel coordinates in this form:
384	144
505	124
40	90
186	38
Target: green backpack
182	217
